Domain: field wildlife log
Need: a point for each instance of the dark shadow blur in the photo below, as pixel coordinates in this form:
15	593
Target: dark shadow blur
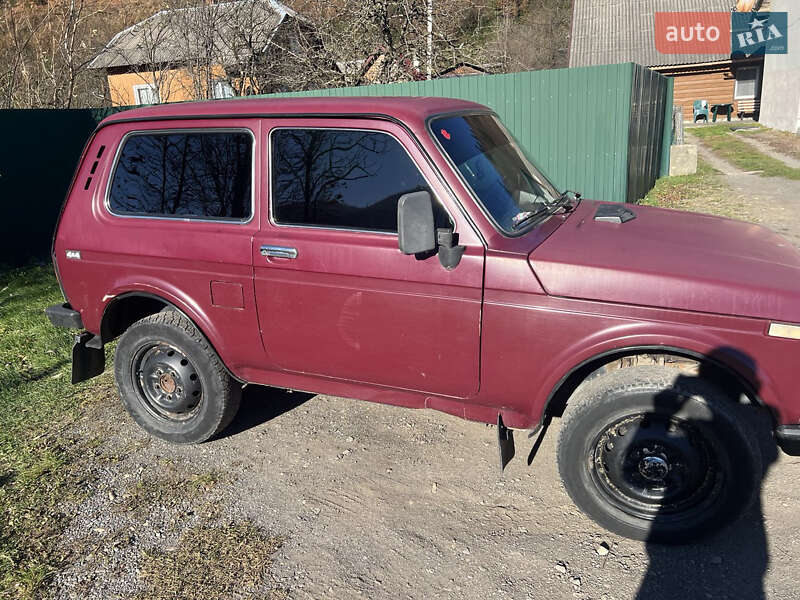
261	404
732	563
16	379
540	437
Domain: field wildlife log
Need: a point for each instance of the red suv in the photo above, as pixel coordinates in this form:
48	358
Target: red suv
407	251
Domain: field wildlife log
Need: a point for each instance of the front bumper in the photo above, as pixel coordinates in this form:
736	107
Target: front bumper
788	438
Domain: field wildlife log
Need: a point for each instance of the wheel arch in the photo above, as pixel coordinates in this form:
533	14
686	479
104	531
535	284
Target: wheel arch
729	377
124	309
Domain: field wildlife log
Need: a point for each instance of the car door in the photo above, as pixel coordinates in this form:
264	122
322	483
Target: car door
335	296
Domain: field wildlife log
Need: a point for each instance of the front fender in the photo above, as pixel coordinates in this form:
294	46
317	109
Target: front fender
532	343
698	343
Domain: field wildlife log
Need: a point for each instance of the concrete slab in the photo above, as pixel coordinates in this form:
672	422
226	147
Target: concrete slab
683	159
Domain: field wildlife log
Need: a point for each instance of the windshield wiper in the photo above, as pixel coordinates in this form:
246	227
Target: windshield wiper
566	195
561	202
524	217
520	219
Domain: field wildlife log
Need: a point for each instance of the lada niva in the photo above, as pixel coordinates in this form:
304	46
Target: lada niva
408	251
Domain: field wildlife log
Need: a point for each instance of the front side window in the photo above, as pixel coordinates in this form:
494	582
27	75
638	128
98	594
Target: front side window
503	179
185	175
342	178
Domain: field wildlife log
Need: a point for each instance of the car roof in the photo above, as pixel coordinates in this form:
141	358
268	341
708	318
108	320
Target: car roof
405	108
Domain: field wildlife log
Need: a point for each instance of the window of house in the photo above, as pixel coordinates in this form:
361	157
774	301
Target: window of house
145	94
747	83
205	175
223	89
342	178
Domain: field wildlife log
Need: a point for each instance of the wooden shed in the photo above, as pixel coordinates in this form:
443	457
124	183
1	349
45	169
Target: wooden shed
614	31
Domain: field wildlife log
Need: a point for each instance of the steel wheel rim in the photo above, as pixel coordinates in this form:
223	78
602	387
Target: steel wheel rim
655	466
167	382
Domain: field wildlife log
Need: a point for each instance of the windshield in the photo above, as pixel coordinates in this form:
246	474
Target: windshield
510	188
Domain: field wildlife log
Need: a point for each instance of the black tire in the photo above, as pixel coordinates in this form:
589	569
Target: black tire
171	380
651	454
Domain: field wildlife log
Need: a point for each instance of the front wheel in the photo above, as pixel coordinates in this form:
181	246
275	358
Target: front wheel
655	455
171	380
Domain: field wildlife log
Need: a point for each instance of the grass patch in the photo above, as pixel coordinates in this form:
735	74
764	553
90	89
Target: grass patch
703	192
780	141
46	469
37	402
683	191
229	561
724	143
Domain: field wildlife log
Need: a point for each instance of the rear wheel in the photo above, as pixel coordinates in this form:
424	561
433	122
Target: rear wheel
172	382
652	454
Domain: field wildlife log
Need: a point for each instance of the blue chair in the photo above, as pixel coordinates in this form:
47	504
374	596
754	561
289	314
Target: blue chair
700	110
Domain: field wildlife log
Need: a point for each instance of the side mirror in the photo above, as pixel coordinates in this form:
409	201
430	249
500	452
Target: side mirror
415	229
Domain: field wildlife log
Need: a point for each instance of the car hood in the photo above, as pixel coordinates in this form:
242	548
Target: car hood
672	259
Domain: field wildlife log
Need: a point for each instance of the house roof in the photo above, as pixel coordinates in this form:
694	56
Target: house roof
616	31
229	30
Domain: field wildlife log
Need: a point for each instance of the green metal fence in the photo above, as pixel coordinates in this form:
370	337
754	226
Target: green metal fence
37	159
596	130
649	125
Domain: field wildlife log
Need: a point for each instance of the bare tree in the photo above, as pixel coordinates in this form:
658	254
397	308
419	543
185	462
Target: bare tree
18	81
68	53
202	47
45	49
381	41
154	51
532	34
252	46
47	53
197	34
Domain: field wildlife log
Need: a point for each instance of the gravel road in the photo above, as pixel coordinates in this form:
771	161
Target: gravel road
377	501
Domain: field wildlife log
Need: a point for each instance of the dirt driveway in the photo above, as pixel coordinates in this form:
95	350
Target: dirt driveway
376	501
372	501
771	201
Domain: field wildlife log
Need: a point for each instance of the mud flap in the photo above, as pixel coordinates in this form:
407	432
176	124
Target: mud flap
505	443
87	359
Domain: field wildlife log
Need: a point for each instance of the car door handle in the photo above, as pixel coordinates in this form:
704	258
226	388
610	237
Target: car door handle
278	252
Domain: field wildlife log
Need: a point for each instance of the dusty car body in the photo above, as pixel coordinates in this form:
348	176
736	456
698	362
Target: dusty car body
503	304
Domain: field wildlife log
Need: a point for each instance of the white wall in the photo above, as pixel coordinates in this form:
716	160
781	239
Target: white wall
780	92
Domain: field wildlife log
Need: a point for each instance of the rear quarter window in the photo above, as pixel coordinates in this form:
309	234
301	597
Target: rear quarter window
201	175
